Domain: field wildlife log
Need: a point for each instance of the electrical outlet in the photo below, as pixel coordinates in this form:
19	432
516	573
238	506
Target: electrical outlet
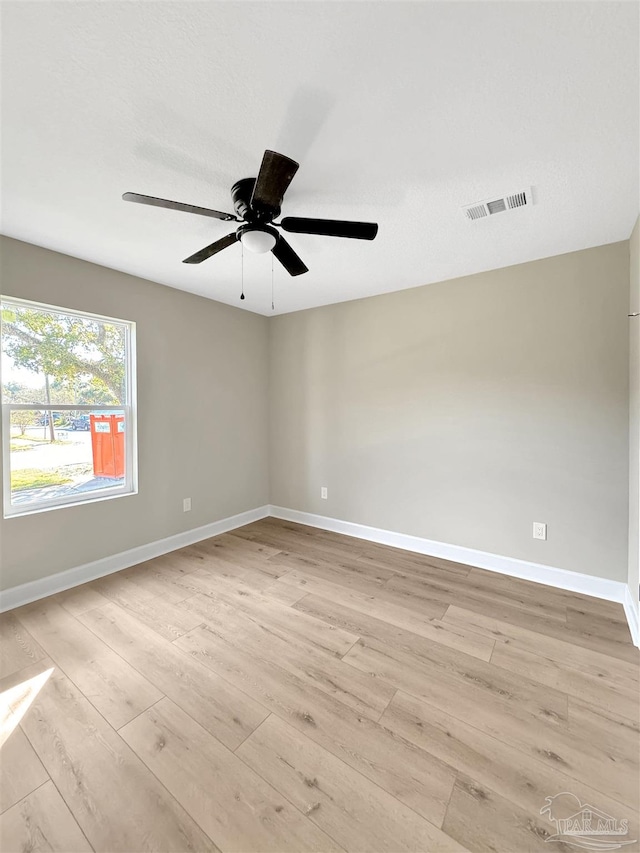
186	505
323	493
539	530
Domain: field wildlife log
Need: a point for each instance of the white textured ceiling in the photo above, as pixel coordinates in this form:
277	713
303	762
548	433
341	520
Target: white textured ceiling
399	113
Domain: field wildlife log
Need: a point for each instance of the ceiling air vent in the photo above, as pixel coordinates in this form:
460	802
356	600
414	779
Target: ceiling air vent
482	209
476	211
518	200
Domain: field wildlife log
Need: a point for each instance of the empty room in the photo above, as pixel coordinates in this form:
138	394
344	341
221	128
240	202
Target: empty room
320	395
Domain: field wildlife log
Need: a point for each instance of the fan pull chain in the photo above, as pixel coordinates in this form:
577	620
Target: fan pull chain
242	271
272	305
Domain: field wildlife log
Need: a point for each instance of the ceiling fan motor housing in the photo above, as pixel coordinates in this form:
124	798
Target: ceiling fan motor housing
241	193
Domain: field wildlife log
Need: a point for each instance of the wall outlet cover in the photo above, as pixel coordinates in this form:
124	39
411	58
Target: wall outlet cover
323	493
186	505
539	530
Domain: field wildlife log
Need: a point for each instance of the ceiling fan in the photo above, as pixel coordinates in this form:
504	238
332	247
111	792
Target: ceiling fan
257	202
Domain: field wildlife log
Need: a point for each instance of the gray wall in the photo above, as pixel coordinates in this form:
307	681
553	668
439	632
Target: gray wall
464	411
461	411
202	414
634	408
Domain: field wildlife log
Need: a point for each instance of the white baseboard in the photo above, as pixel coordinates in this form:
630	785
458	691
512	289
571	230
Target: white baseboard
560	578
18	595
536	572
632	612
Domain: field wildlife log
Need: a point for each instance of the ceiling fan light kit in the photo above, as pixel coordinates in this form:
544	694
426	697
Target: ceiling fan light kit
258	239
257	202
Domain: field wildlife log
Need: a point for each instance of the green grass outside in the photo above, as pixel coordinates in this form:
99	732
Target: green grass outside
19	442
34	478
40	439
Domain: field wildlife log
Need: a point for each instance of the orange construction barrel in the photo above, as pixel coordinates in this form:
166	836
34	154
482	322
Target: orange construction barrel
107	445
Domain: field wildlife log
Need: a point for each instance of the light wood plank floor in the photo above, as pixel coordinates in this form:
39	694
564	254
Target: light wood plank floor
282	688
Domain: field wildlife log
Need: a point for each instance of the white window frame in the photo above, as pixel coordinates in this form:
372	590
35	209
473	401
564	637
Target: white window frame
130	485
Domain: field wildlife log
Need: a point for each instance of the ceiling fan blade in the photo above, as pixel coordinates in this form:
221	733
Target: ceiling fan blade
330	227
288	258
275	175
178	205
218	246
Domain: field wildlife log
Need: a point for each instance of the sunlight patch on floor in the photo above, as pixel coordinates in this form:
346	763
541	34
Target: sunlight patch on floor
15	702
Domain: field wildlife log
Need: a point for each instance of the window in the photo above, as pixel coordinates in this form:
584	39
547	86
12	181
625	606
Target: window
68	407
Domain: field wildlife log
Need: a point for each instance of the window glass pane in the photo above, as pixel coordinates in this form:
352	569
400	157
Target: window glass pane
87	456
53	358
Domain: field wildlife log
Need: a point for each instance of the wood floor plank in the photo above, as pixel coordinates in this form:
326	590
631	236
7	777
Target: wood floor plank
160	585
114	687
235	548
350	808
488	823
80	599
293	625
558	650
237	551
415	778
465	688
349	573
585	621
284	540
594	676
408	564
252	562
16	685
497	582
165	617
615	733
379	606
237	808
180	562
444	650
206	578
325	671
223	710
21	771
41	823
17	692
618	646
117	802
524	779
157	579
300	535
546	738
18	648
612	646
594	687
207	572
119	589
476	595
284	593
303	539
355	555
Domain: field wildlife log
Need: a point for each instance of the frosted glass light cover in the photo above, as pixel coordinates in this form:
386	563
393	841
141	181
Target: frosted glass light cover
258	241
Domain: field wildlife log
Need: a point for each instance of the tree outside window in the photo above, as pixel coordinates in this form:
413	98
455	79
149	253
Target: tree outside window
62	370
